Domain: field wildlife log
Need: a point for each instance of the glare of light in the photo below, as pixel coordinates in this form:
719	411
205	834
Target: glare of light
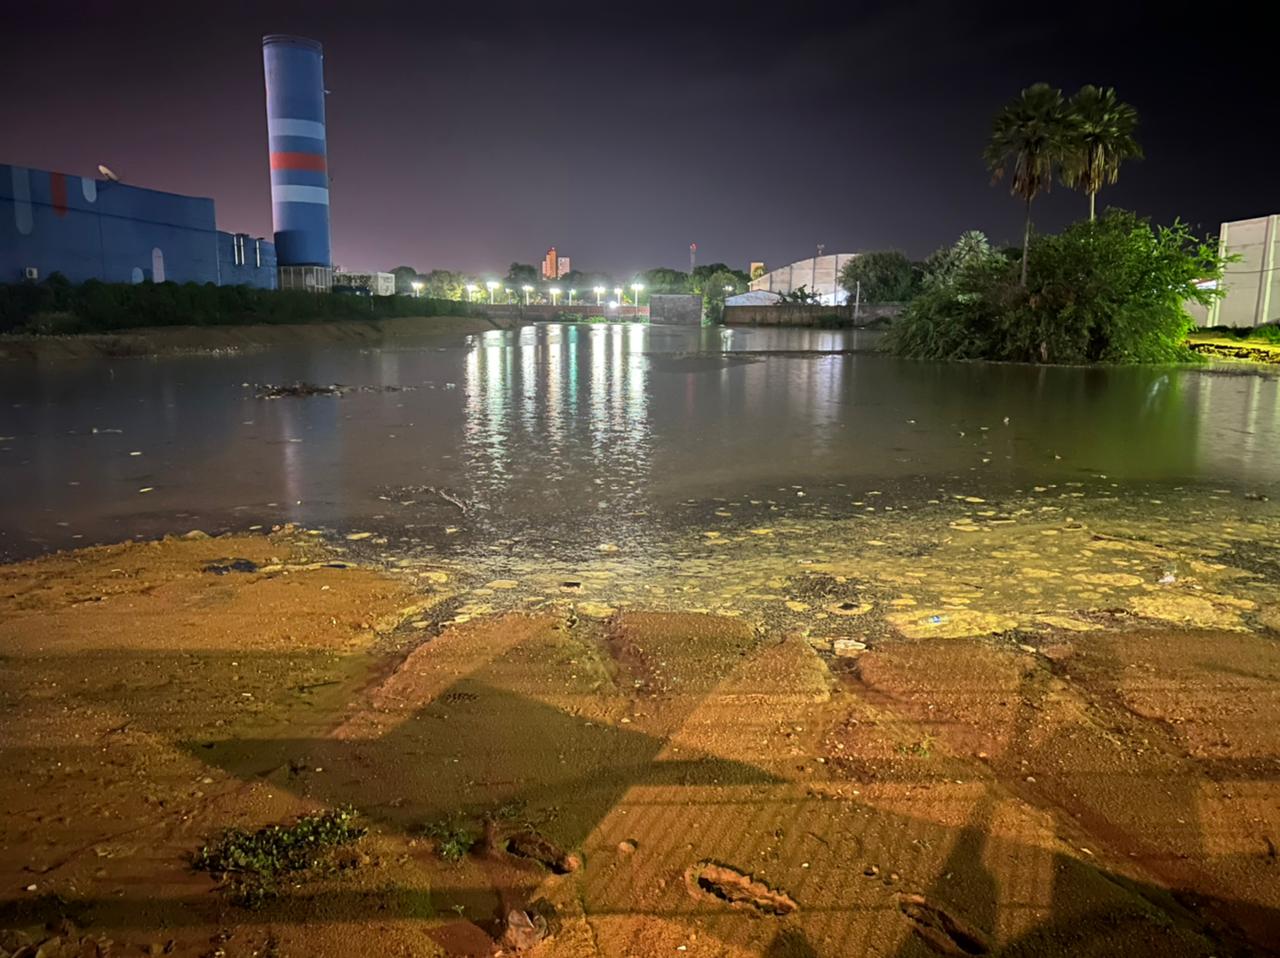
571	292
555	292
471	292
613	304
728	289
635	293
527	290
599	291
492	287
417	287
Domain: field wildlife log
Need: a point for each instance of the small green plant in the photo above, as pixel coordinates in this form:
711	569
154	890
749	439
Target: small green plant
920	749
453	838
251	863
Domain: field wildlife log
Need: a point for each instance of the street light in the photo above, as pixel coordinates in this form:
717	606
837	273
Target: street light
417	288
491	286
599	291
506	294
635	295
617	293
571	292
527	291
554	291
471	292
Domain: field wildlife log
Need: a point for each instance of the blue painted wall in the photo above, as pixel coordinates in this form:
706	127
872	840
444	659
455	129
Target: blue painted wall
96	229
294	69
259	265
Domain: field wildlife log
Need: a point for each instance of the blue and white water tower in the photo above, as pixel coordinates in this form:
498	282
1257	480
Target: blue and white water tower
294	69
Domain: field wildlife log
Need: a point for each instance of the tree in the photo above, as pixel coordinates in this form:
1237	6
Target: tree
885	277
661	279
1114	290
1100	139
445	284
521	274
715	288
943	266
405	276
1029	136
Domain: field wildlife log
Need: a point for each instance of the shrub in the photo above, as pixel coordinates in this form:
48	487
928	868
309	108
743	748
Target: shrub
1110	291
56	306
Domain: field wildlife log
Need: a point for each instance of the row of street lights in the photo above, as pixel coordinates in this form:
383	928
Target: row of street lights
555	292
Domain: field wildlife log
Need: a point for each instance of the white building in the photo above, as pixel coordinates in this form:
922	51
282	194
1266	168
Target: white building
378	284
1253	284
818	274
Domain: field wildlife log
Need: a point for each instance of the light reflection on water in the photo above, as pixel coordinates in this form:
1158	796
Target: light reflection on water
583	433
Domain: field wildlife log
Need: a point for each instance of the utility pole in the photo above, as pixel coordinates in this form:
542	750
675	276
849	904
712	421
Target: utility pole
813	280
693	257
857	301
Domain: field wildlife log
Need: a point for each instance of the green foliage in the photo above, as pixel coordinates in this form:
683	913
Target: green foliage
715	288
946	264
56	306
1110	291
521	274
1028	139
1100	137
886	276
453	838
405	276
251	863
801	296
664	280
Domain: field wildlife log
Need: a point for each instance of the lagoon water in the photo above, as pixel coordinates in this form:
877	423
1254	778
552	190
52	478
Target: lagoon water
559	437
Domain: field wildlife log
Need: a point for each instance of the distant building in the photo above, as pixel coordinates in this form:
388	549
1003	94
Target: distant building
1252	285
563	266
757	269
375	284
549	265
819	275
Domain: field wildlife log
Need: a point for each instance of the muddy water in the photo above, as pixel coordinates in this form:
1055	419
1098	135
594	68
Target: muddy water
556	439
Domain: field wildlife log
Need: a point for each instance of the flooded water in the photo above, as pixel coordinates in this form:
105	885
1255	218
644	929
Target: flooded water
562	437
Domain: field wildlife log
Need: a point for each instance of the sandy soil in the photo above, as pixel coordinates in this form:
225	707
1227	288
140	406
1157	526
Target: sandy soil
696	784
173	340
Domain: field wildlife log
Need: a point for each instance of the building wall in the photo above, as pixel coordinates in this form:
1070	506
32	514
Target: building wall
98	229
245	260
679	309
818	274
1252	285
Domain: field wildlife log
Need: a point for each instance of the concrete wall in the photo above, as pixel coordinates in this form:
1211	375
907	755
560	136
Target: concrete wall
1253	284
789	314
531	314
818	274
680	309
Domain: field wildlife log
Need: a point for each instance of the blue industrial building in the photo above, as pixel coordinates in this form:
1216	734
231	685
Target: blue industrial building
87	228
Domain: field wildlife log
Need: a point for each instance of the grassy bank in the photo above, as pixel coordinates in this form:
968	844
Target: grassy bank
56	307
1259	344
180	340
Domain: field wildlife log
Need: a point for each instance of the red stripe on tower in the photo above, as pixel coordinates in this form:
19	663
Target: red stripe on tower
298	161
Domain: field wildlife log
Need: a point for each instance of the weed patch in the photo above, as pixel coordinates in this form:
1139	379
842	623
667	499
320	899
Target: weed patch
250	864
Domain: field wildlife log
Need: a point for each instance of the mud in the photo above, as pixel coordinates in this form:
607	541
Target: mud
1073	759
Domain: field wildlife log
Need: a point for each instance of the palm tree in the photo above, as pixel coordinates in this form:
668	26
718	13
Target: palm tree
1101	139
1030	135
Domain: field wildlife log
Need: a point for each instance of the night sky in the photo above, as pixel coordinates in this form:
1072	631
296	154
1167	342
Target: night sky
469	135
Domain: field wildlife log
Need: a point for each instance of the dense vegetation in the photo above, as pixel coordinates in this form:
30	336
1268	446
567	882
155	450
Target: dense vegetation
1110	290
57	306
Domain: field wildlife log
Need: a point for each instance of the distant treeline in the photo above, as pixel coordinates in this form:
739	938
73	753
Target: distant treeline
56	306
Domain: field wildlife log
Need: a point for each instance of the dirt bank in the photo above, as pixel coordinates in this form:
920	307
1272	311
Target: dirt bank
635	784
174	340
